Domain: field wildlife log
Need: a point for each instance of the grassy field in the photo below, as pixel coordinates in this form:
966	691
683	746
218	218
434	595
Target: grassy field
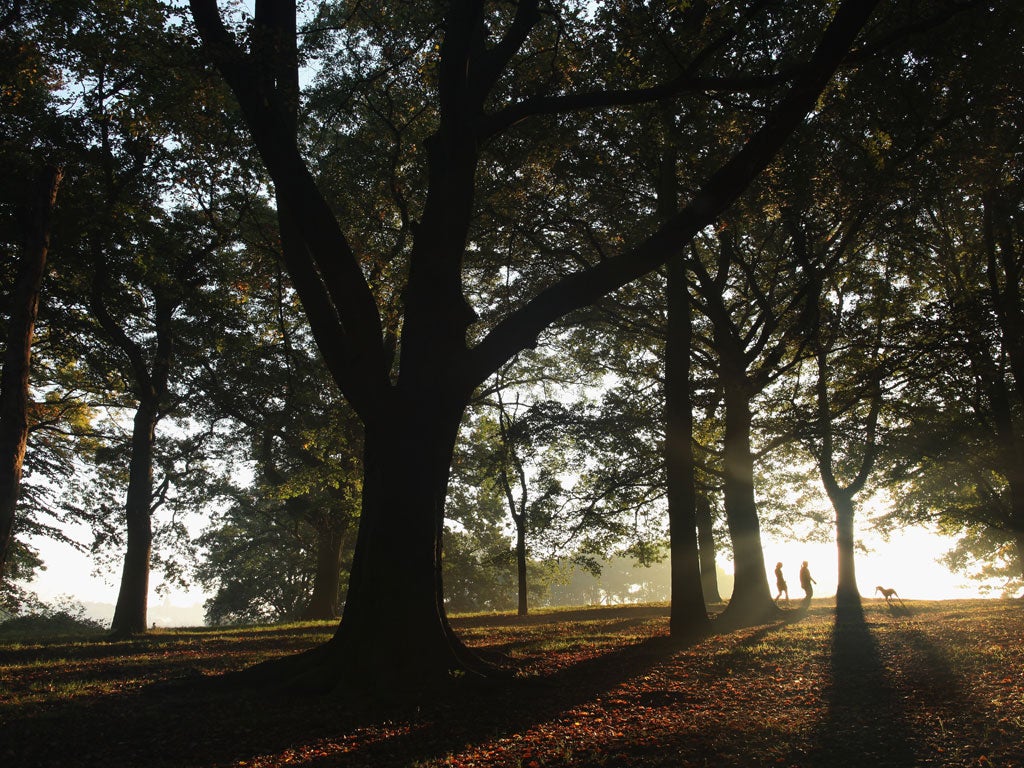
937	684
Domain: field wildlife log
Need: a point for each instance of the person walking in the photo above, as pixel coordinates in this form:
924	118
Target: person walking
806	582
780	582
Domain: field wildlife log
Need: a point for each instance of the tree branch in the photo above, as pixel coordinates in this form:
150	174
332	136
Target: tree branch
520	329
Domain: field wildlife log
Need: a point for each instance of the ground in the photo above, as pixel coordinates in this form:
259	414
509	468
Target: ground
934	684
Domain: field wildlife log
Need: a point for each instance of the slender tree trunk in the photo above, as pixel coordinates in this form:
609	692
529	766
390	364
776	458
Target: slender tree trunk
132	598
14	378
689	613
1018	541
751	597
518	512
706	545
330	543
1016	526
523	607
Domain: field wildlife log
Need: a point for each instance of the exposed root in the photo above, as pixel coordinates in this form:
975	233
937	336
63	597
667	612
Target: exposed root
330	669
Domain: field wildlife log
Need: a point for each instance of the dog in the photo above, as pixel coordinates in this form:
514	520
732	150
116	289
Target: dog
889	594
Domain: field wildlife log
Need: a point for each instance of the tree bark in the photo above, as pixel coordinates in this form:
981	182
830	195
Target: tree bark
14	379
523	604
394	631
150	382
847	592
1005	272
689	615
706	546
846	587
324	602
133	595
751	596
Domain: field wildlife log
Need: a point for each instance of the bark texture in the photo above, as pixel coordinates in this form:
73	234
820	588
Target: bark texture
706	543
689	613
324	602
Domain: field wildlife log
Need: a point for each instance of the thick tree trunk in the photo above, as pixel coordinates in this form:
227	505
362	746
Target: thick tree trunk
846	588
394	632
330	543
706	547
751	599
689	613
14	378
132	598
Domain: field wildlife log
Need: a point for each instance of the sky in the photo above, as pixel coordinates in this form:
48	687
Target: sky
907	562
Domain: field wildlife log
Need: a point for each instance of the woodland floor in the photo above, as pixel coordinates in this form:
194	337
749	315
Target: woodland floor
934	684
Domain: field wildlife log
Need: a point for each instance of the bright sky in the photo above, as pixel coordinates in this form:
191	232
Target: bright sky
906	563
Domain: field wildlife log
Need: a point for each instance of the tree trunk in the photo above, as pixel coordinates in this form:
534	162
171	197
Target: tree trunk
330	543
1018	541
523	608
14	379
846	588
394	632
751	599
689	615
132	598
518	512
706	548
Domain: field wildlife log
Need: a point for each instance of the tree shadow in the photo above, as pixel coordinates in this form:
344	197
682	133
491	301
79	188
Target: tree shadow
866	723
196	720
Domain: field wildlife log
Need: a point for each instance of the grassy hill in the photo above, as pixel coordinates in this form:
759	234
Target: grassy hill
937	683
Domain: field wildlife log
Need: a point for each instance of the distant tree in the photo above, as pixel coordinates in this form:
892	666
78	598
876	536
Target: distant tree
513	440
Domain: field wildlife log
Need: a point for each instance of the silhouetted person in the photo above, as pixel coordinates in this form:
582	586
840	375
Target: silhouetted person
780	582
806	581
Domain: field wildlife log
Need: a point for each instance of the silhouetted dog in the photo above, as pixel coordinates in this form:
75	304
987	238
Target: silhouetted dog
889	594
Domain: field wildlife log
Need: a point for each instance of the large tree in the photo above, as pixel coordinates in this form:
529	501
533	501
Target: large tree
14	377
30	137
476	65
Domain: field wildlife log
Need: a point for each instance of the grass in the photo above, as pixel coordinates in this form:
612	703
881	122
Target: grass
937	684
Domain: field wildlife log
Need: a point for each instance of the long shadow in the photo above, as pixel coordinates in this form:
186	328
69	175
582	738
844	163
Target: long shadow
191	722
866	723
461	721
515	709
